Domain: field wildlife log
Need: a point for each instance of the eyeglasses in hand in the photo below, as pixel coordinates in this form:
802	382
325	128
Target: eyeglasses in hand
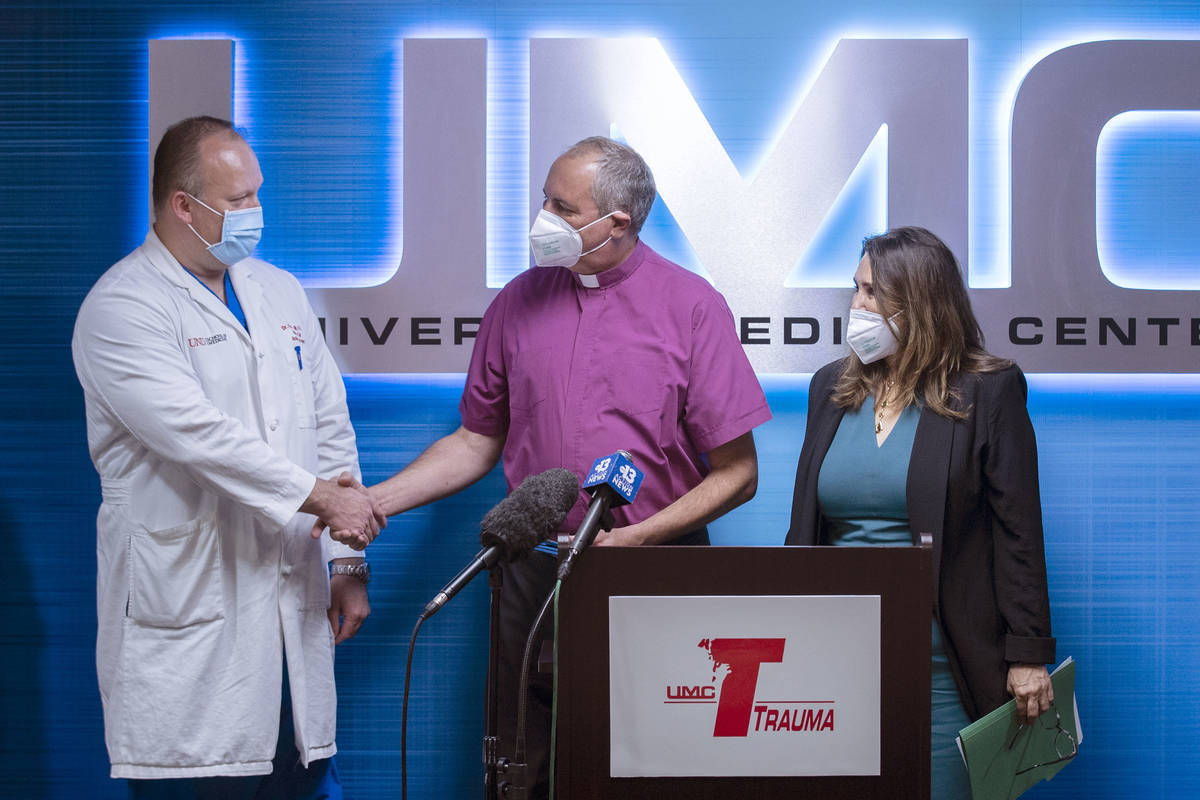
1059	744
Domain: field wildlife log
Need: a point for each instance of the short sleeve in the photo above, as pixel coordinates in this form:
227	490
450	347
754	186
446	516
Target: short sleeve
484	404
724	398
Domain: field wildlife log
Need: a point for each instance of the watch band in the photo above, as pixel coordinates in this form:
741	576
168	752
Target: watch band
361	571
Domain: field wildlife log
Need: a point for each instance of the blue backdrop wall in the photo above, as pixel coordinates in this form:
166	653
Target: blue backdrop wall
316	90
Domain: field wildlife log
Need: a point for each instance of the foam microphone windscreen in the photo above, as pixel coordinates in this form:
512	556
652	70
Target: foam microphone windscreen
531	513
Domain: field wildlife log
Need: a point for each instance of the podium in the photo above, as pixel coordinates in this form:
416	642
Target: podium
900	577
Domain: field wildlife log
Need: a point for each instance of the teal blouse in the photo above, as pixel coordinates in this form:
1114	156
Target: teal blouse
861	487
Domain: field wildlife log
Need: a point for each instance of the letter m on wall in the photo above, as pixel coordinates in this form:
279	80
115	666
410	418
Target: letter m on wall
763	225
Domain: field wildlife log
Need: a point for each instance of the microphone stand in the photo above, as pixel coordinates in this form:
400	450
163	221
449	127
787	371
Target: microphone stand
598	517
517	786
491	738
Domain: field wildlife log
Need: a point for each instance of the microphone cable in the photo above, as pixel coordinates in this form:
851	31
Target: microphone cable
554	695
513	527
523	686
404	708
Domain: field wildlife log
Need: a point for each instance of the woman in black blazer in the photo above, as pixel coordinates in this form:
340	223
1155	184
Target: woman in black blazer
953	456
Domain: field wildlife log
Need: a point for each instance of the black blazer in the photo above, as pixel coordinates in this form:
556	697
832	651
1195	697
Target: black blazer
973	485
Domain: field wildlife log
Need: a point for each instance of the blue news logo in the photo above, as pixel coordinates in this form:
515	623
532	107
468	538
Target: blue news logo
618	472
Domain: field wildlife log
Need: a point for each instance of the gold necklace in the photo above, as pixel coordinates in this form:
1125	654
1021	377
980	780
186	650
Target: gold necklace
881	407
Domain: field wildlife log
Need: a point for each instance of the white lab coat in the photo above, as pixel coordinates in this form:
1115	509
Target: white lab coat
207	441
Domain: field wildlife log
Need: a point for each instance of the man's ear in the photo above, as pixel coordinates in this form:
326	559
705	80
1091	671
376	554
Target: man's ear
181	206
622	223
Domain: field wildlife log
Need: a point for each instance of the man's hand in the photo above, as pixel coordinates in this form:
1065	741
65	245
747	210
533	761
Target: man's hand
348	603
346	509
731	481
628	536
346	480
1030	686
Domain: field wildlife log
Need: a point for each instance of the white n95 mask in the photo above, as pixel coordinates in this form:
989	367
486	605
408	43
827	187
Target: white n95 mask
870	335
241	230
556	244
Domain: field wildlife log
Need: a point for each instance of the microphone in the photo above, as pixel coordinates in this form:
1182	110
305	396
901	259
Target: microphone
531	513
613	481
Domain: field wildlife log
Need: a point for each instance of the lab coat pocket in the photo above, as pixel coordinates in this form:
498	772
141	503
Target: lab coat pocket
302	391
175	575
318	692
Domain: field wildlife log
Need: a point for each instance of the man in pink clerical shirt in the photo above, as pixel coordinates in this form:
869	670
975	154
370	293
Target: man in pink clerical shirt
605	346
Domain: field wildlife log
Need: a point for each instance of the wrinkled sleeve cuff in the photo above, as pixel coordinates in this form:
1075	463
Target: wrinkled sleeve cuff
484	426
726	433
339	550
1029	649
291	496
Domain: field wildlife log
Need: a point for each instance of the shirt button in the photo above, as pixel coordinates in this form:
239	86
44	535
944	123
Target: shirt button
262	354
274	424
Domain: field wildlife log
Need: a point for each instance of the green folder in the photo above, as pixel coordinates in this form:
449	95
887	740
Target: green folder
1005	758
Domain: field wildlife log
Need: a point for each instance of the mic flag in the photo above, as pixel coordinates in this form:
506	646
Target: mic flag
619	474
612	481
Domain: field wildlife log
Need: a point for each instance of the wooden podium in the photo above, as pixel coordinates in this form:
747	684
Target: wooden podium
899	575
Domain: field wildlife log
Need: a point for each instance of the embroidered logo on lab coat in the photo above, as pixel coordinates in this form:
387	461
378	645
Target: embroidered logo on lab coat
294	330
204	341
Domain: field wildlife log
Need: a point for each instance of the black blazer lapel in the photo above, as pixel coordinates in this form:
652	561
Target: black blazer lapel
925	488
824	418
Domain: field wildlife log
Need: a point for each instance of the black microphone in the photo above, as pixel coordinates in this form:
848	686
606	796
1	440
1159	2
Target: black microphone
513	528
613	481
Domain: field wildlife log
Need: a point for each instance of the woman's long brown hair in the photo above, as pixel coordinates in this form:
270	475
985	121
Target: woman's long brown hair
938	336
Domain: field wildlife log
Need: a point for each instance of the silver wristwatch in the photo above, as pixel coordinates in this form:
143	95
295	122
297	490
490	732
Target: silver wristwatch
361	571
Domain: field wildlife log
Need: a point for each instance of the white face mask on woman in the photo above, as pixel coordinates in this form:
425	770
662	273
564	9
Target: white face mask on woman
870	335
556	244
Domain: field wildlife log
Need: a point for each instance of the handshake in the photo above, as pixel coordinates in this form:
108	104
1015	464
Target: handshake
347	509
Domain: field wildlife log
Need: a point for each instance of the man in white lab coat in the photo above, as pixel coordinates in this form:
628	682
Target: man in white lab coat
218	423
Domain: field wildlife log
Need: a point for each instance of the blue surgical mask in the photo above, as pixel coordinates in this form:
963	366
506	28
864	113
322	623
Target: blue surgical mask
241	229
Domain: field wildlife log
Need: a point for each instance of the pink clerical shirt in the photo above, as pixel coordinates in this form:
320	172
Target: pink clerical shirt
643	357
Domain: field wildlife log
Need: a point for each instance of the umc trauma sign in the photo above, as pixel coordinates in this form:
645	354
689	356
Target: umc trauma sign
1068	306
744	686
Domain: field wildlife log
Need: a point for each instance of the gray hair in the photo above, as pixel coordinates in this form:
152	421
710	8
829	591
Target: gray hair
623	181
